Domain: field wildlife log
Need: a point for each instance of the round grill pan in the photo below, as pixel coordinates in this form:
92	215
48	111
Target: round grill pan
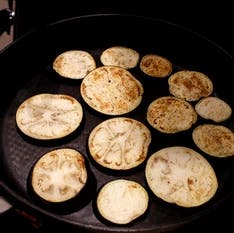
27	63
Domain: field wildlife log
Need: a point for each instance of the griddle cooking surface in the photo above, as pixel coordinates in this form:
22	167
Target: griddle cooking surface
19	152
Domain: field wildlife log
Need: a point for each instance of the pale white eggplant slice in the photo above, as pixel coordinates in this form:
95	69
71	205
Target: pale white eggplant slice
59	176
74	64
181	176
213	108
119	143
122	201
49	116
121	56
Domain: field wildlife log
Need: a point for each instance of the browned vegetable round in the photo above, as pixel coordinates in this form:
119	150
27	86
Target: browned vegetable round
111	90
156	66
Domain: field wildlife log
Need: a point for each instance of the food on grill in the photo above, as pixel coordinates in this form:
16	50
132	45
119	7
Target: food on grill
215	140
213	108
120	56
74	64
169	114
190	85
111	90
182	176
119	143
59	175
121	201
49	116
156	66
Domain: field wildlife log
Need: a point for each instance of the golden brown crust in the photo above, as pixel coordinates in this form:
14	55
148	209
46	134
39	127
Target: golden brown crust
111	90
215	140
156	66
119	143
169	114
59	175
182	176
190	85
49	116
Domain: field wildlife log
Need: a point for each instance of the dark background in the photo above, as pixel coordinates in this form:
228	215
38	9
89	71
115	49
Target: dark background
213	19
210	19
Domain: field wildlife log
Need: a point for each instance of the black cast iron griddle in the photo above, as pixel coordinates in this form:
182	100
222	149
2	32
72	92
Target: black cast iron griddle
27	63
